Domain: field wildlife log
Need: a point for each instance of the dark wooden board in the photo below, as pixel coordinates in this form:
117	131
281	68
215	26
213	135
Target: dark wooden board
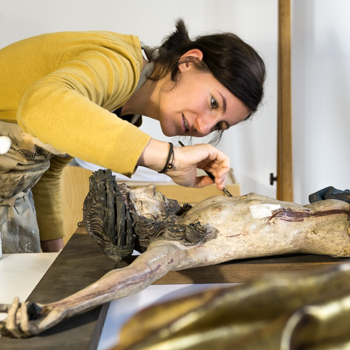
241	271
81	263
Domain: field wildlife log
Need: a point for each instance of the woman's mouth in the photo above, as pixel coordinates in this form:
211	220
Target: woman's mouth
186	126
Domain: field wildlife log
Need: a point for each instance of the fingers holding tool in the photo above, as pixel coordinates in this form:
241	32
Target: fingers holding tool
212	177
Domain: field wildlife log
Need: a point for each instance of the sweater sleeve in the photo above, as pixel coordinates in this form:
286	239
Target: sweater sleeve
70	109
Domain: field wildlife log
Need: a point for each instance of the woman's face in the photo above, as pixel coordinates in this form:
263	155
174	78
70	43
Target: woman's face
197	105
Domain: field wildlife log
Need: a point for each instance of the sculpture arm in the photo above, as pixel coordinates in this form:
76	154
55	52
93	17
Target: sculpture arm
148	267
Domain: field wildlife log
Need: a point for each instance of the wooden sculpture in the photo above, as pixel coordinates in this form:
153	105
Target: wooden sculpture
172	238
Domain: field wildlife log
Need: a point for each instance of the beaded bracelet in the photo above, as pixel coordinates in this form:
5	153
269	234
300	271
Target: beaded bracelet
170	160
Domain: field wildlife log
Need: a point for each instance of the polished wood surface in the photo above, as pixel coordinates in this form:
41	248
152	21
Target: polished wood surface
284	128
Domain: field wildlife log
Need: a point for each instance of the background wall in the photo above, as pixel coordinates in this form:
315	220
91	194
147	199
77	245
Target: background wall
321	72
321	95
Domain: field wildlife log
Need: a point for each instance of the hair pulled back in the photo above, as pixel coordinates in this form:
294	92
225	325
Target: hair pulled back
234	63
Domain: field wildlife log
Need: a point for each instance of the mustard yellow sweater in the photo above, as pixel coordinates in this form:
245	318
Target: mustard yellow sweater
61	88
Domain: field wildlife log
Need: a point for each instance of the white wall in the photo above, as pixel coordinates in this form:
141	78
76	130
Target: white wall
321	72
321	95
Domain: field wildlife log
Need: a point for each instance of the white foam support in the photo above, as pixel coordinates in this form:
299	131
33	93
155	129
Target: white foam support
260	211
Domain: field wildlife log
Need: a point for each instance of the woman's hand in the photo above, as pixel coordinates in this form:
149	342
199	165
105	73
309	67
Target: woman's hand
186	161
202	156
27	319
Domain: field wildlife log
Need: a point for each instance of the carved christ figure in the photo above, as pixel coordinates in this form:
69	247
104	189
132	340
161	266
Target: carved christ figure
172	238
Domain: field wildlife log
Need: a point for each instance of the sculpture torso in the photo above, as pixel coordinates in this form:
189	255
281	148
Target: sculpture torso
318	228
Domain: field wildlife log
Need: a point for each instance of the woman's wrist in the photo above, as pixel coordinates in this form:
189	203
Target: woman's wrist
155	155
169	164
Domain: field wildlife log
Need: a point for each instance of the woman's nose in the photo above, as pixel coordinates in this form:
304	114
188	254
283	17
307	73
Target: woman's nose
204	124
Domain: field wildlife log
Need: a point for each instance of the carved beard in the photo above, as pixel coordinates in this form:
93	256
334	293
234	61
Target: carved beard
120	219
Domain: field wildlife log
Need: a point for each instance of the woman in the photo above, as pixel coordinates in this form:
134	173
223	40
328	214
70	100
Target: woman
216	230
82	94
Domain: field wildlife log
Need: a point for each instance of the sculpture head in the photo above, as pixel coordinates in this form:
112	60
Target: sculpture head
147	203
121	219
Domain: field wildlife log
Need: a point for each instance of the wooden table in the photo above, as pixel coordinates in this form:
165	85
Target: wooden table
81	263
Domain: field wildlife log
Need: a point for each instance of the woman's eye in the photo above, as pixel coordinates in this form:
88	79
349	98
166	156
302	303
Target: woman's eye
214	104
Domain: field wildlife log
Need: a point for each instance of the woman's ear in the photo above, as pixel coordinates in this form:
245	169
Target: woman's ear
185	60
